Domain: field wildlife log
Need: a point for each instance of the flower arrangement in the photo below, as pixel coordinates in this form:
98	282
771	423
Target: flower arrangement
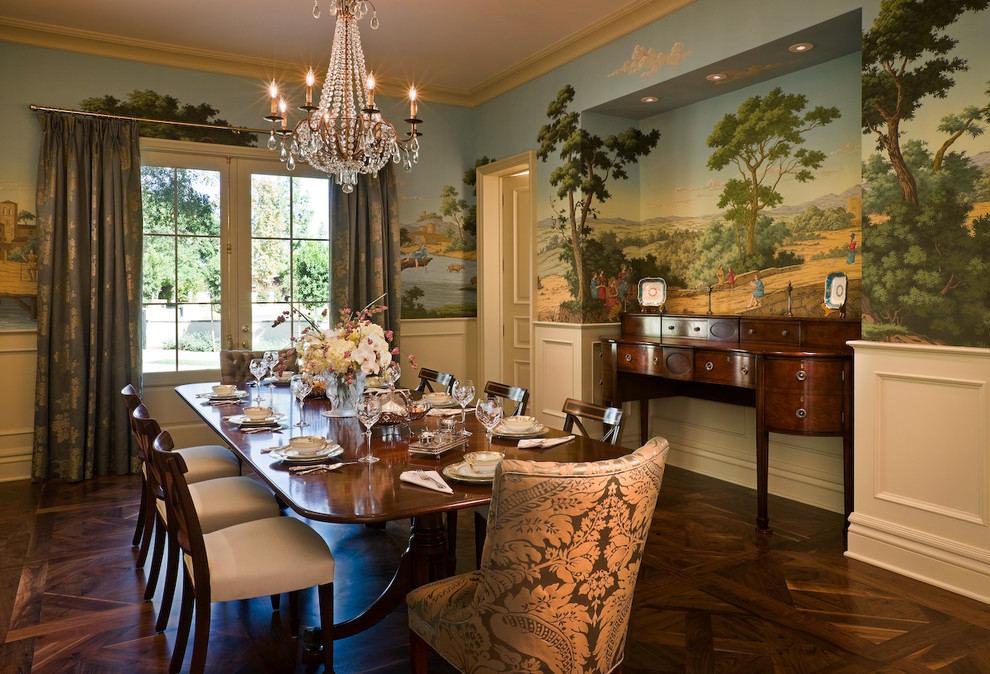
356	345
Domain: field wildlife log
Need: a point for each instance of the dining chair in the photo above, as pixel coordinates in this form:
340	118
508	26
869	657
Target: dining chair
262	557
428	377
205	462
235	364
609	417
555	587
219	502
518	396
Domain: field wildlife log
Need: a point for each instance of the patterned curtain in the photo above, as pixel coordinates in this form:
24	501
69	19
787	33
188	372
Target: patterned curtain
89	224
364	255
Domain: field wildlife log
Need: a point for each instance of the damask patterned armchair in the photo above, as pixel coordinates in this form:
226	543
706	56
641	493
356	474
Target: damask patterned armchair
555	587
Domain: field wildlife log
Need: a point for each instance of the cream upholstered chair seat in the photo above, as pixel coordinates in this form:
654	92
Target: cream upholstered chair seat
208	462
252	559
226	501
555	587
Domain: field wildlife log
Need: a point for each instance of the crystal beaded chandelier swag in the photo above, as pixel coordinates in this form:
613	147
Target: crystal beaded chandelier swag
345	134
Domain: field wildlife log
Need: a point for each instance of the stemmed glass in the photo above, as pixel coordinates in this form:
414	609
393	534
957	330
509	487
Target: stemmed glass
489	413
391	374
258	368
369	410
463	393
271	360
301	385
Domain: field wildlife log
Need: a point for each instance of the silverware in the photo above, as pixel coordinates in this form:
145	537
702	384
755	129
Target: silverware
306	470
429	478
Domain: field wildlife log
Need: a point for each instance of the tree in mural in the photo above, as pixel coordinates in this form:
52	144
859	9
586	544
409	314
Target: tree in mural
589	163
927	269
906	59
471	180
453	207
956	125
150	104
762	140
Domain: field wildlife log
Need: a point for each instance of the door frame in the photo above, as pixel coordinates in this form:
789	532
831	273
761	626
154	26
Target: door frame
491	364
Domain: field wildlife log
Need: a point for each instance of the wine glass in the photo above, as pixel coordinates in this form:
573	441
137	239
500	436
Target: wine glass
271	360
301	385
369	410
258	368
391	374
489	413
463	393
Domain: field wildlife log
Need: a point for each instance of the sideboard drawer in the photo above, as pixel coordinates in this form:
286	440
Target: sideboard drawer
641	358
677	327
724	367
804	374
783	332
803	413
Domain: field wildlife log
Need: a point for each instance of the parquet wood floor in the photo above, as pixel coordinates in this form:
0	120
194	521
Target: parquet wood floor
713	596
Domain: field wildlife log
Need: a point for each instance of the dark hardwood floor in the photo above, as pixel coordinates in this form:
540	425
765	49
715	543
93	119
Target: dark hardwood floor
713	596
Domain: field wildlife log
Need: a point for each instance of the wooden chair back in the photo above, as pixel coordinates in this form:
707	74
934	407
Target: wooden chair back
515	394
609	417
132	400
146	429
428	377
179	508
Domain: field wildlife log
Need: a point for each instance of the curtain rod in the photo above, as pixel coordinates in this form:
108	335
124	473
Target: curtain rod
152	121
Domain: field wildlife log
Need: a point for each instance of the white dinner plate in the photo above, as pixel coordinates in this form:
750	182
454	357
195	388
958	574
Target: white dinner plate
236	395
290	455
462	472
534	431
245	420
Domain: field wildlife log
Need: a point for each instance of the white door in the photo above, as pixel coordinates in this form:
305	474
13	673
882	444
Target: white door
516	280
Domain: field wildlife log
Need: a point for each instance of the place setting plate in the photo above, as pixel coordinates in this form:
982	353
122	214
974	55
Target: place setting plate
462	472
501	432
290	454
223	397
245	420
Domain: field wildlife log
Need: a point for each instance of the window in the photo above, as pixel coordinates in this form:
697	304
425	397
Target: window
230	242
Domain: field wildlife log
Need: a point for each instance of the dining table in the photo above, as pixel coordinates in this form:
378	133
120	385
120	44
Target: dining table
371	493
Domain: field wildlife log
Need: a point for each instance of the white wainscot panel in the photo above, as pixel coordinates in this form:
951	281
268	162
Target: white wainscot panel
556	381
447	345
18	362
922	466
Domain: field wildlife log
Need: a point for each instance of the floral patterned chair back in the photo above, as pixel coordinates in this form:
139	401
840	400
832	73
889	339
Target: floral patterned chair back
555	587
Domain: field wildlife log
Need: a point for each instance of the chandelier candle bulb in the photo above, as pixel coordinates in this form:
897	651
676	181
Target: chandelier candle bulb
371	90
283	110
273	90
413	106
310	79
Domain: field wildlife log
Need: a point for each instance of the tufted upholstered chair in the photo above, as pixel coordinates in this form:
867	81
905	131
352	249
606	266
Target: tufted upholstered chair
235	364
555	587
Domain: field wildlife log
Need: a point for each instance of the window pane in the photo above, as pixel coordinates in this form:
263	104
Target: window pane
198	200
159	337
270	206
264	336
158	269
199	269
157	199
199	336
270	279
311	278
311	208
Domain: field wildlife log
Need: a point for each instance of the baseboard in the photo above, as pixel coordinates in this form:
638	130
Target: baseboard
938	561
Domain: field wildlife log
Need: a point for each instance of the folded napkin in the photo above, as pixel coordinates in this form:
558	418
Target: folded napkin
426	478
444	412
543	443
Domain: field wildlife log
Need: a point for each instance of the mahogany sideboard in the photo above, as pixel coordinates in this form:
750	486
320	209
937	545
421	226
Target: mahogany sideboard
796	372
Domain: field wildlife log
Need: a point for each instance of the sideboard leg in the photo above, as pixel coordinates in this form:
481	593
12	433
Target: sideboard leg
644	420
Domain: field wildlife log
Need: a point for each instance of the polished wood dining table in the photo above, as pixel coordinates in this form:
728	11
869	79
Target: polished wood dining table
361	493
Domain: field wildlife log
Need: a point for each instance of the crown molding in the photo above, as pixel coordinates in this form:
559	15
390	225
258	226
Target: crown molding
613	26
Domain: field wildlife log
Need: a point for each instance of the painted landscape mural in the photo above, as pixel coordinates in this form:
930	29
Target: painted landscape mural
764	192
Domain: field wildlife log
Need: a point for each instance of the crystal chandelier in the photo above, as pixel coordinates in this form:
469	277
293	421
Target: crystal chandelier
345	134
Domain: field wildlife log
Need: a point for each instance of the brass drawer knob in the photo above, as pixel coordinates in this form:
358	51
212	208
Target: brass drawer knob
801	375
709	366
752	331
783	333
697	328
745	371
801	413
628	357
656	360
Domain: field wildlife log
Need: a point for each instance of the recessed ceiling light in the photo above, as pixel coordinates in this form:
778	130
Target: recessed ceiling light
801	46
715	77
649	99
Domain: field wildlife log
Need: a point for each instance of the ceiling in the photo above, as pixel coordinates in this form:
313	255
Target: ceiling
455	51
